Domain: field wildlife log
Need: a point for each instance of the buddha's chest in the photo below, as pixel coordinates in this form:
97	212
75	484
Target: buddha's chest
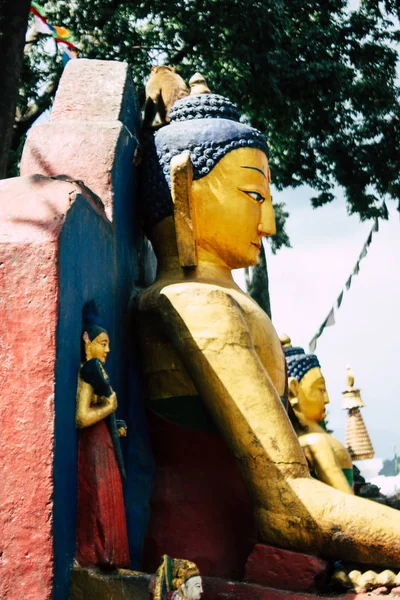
164	370
266	341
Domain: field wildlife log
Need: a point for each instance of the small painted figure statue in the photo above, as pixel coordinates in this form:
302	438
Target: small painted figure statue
177	579
328	459
101	535
207	205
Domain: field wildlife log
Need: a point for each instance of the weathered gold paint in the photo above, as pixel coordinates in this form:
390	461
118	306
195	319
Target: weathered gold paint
181	183
201	323
325	454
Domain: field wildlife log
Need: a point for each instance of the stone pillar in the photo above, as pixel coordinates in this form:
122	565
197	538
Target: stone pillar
35	213
62	245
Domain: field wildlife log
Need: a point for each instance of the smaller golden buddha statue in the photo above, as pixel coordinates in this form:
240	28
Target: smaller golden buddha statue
328	459
177	579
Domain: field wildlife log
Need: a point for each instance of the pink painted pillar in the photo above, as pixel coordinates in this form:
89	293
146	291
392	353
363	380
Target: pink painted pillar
33	211
58	249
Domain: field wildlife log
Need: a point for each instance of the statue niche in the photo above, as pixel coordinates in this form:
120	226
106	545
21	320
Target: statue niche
211	356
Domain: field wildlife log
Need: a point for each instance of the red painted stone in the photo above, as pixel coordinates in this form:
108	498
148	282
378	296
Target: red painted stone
283	569
32	212
85	129
200	508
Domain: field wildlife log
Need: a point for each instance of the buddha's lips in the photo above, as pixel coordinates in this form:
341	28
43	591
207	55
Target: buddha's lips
256	245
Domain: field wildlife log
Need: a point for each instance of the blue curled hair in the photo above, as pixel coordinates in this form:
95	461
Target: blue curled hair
205	125
298	362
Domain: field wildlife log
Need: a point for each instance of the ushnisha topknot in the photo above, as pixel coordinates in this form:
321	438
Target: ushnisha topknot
298	362
203	106
205	125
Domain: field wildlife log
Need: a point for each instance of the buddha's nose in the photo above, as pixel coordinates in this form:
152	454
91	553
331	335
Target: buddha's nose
326	398
267	224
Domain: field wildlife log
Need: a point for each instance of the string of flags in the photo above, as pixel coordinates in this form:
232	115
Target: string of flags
61	35
330	319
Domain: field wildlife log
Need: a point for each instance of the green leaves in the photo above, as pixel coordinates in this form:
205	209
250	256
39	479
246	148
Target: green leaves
319	79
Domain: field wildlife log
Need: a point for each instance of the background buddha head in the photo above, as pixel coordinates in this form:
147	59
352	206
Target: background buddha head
307	387
229	183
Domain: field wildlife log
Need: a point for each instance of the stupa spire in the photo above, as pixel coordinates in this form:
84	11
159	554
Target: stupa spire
358	442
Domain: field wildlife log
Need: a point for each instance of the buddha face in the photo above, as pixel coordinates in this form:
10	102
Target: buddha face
97	348
193	588
233	208
312	395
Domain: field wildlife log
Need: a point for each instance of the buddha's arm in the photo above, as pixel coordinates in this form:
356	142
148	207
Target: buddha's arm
211	336
293	510
88	414
320	455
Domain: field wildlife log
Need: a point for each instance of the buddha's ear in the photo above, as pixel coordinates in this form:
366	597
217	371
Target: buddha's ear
293	386
86	337
184	214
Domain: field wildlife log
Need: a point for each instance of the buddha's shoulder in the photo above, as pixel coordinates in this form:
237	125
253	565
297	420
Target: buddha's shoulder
195	293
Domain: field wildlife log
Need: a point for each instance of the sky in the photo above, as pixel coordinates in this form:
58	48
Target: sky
305	281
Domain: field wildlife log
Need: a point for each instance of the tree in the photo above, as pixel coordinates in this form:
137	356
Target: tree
317	78
13	22
390	467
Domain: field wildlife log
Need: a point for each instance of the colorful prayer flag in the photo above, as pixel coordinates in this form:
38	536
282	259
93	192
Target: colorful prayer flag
61	35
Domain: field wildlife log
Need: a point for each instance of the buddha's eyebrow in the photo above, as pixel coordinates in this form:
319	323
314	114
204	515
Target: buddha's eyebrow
254	169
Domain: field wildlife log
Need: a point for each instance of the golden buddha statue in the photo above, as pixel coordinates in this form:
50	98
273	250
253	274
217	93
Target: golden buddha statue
207	205
328	459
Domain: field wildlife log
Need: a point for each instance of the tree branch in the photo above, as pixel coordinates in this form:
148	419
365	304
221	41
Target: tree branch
24	121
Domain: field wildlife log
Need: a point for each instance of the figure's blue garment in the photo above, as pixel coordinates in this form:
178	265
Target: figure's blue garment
93	373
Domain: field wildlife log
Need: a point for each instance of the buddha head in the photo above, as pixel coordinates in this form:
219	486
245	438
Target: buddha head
220	168
307	387
95	340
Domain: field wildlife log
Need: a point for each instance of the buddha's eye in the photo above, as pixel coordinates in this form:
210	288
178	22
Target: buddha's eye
255	195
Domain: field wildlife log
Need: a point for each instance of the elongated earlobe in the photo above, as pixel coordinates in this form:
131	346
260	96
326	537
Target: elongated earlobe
184	214
293	390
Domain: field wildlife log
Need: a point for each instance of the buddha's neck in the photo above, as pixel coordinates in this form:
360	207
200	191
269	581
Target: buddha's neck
210	268
309	425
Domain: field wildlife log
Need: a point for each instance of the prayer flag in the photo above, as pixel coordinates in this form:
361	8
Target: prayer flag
385	212
313	344
364	252
61	35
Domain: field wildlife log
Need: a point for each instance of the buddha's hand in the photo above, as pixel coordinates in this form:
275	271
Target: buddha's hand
122	428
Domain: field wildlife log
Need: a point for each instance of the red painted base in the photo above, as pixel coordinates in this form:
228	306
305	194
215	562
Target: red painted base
218	589
283	569
200	508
